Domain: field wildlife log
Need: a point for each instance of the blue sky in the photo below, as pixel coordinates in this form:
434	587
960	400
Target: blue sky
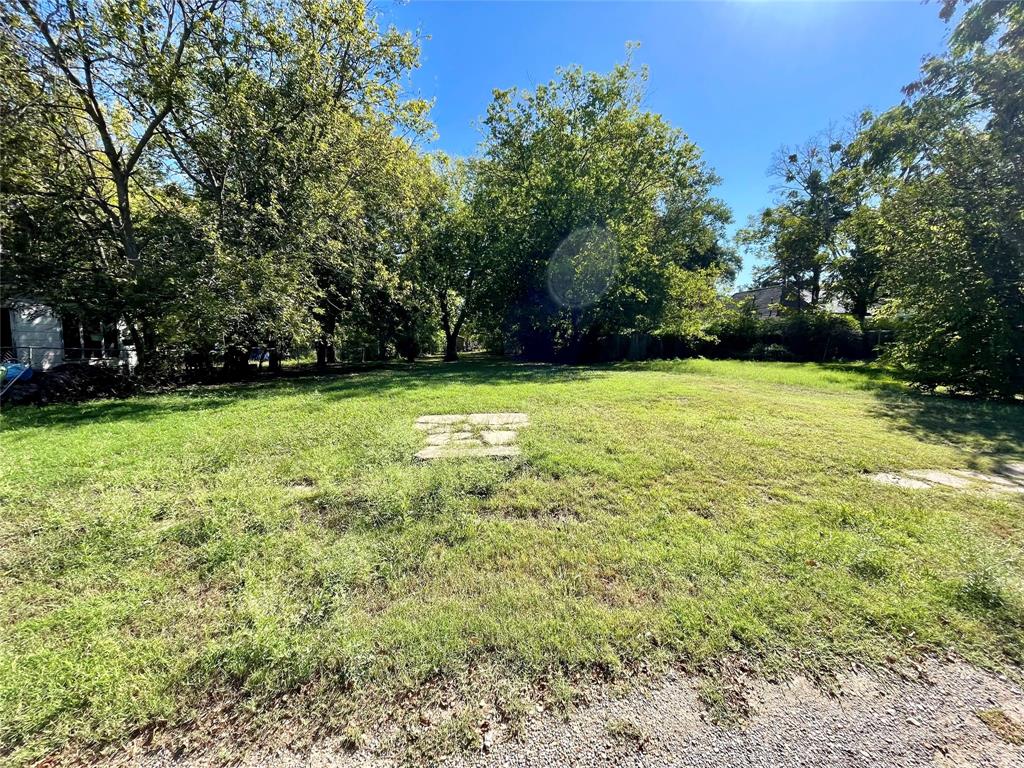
741	78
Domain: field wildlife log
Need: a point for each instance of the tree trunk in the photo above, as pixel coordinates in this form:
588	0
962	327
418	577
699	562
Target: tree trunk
325	352
451	347
451	339
860	309
133	331
236	361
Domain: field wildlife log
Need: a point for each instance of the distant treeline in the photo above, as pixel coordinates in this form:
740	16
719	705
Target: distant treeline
223	176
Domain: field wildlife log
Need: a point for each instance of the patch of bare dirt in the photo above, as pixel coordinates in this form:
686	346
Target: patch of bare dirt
947	714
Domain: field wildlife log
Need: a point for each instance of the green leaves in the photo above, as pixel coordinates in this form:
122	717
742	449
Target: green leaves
949	221
575	155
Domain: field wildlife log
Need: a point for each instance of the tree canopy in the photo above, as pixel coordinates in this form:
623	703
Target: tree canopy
222	175
916	216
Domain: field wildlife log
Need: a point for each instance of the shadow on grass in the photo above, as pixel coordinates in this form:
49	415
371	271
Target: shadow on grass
361	381
987	428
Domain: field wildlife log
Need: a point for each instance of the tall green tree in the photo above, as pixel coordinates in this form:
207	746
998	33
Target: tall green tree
456	265
289	140
798	238
111	73
589	200
244	169
856	271
948	165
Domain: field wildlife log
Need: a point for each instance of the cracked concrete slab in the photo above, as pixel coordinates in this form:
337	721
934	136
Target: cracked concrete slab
1008	479
889	478
469	435
936	477
468	452
499	437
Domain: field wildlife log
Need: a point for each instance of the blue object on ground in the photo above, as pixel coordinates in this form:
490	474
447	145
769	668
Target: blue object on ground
18	371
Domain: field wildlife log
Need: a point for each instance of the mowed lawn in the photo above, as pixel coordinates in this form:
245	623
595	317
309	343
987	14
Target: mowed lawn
163	555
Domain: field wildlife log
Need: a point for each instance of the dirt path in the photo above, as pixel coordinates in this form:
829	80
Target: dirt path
876	720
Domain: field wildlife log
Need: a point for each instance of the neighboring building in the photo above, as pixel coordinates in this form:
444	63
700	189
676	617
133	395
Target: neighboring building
768	301
772	300
32	333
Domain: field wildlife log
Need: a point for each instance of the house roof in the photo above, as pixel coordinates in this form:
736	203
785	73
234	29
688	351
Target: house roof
762	298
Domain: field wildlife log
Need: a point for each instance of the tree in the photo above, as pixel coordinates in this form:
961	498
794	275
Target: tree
948	166
111	74
857	271
790	245
587	201
242	171
695	306
798	238
454	264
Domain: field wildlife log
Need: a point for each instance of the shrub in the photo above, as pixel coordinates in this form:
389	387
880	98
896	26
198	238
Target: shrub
770	352
816	335
73	382
734	334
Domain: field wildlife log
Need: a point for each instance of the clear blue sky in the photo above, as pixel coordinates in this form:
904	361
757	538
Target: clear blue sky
741	78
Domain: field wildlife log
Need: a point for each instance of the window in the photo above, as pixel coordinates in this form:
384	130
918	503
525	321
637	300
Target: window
90	339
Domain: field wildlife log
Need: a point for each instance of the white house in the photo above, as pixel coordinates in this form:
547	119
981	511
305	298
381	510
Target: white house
33	333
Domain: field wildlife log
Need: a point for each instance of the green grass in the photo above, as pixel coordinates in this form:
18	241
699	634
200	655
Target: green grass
165	557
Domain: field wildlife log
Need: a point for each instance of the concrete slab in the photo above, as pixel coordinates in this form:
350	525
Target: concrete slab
427	422
888	478
469	435
957	479
938	477
499	437
1014	469
981	477
499	419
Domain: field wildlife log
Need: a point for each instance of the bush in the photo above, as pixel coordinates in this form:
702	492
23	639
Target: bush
816	335
73	382
807	335
770	352
734	334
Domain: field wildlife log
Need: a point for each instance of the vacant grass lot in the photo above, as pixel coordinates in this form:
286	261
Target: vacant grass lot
163	555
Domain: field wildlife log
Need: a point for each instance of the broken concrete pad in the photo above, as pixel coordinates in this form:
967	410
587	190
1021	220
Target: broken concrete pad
431	425
499	437
981	477
513	420
467	435
938	477
1014	470
450	418
888	478
957	479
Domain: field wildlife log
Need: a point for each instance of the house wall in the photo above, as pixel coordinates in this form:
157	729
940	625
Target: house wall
36	333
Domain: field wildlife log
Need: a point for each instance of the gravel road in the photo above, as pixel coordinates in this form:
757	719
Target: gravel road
875	720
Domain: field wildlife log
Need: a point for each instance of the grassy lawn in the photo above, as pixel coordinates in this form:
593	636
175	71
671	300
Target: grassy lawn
164	555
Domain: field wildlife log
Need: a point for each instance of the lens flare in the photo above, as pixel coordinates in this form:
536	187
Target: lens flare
582	268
